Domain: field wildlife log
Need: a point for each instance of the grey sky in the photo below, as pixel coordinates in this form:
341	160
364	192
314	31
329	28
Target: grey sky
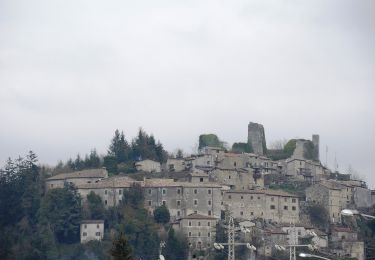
71	72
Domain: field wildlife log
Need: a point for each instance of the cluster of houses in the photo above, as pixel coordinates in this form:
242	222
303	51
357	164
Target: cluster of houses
205	185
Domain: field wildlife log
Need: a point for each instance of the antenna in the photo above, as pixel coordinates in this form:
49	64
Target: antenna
327	156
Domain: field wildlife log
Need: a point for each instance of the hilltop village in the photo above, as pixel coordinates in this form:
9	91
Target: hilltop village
275	198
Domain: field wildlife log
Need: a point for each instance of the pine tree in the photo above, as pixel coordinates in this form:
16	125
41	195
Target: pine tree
121	249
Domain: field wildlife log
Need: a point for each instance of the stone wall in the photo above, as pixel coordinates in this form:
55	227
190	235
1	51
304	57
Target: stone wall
257	138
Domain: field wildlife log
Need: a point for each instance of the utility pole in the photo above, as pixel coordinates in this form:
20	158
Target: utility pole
292	248
231	239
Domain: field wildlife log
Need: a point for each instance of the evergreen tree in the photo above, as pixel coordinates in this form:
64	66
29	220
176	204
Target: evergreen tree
161	214
95	206
176	246
121	249
119	147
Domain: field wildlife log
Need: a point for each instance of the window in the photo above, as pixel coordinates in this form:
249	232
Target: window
258	198
195	191
178	213
251	197
294	200
241	197
120	192
235	164
178	191
272	199
149	191
149	202
85	226
119	201
272	207
164	191
294	208
209	213
84	234
285	207
229	177
195	202
201	179
195	212
241	213
209	224
164	202
189	223
51	185
208	162
179	203
299	233
209	191
208	234
97	226
105	202
199	234
199	223
252	213
105	192
189	234
230	197
97	234
285	199
209	203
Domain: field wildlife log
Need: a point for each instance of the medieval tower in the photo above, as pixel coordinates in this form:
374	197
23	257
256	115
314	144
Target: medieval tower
256	138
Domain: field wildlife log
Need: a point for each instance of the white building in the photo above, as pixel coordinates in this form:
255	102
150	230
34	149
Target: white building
91	230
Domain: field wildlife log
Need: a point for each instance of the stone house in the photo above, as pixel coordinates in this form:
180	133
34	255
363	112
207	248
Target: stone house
91	230
271	205
176	164
344	242
200	230
240	179
183	198
332	195
305	170
110	189
272	237
148	166
298	231
76	178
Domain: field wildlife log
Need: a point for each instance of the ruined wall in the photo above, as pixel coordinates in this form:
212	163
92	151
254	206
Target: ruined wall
257	138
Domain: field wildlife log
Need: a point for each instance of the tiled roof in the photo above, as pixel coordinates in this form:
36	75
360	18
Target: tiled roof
332	185
198	216
112	182
92	221
172	183
92	173
343	229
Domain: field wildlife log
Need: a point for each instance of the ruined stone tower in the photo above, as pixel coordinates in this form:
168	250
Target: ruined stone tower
315	140
256	138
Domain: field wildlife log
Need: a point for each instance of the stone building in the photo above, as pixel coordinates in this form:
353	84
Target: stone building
91	230
76	178
183	198
344	242
176	164
148	166
110	189
332	195
256	138
200	230
271	205
240	179
305	170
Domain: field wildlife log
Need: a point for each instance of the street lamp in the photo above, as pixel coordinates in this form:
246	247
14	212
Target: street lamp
353	212
303	255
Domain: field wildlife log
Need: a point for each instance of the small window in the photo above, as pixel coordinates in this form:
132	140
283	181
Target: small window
241	197
208	162
189	223
164	191
241	213
178	191
178	213
230	197
285	199
120	192
209	191
209	224
119	201
149	191
105	192
235	164
258	198
294	208
272	207
84	234
97	226
149	202
164	203
195	202
85	226
199	223
252	213
285	207
299	233
272	199
199	234
105	202
208	234
97	234
195	212
195	191
209	212
189	234
251	197
179	203
51	185
201	179
294	200
229	177
209	203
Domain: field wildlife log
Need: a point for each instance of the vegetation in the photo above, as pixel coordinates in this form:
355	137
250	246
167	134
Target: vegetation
121	249
242	148
285	153
210	140
318	215
310	152
177	246
161	214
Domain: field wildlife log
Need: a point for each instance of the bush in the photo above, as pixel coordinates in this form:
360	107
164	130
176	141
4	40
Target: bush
161	214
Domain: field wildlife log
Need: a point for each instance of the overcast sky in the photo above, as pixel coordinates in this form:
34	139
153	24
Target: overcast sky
71	72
